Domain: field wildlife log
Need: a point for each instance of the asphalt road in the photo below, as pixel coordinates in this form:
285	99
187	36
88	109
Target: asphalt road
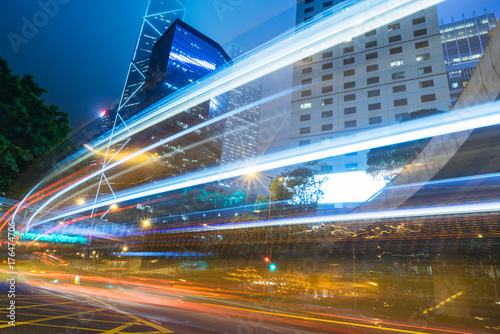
44	307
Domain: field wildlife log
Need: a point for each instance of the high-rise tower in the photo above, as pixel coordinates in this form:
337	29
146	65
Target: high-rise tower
370	81
160	14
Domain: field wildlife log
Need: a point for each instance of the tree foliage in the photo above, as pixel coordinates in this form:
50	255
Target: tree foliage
31	132
385	163
296	191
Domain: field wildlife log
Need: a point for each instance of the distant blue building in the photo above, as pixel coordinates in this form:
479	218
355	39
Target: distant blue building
180	57
463	44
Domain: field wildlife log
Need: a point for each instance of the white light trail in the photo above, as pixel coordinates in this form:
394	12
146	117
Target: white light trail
465	119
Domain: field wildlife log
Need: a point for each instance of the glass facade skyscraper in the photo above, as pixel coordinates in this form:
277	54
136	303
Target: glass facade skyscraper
242	129
160	14
179	58
463	44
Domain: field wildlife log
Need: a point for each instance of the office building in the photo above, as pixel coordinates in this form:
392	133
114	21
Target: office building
158	17
463	43
371	81
180	57
242	129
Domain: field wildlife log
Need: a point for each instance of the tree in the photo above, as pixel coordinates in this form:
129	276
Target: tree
297	190
385	163
32	133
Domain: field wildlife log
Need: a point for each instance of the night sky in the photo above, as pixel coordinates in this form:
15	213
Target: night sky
81	55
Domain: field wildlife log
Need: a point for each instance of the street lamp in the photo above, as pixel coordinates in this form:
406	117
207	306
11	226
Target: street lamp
270	191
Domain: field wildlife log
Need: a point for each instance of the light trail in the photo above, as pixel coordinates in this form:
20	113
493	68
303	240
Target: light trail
465	119
309	38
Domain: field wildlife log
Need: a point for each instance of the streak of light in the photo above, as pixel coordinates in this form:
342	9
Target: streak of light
19	205
349	217
465	119
293	46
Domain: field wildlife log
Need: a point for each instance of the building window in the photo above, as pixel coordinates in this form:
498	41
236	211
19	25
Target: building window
397	63
306	81
326	140
424	70
418	20
327	66
326	102
303	131
350	97
307	60
370	44
393	27
371	33
399	89
421	45
305	93
374	106
350	110
375	120
349	49
348	73
350	84
304	118
304	143
306	105
327	77
373	55
327	89
372	68
327	114
420	32
425	84
398	75
397	50
393	39
327	54
328	4
372	80
453	85
351	166
350	124
425	56
428	98
400	102
349	61
327	127
307	70
308	10
309	1
401	116
373	93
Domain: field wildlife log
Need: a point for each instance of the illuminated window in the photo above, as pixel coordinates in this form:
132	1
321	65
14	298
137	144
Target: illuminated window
306	105
425	70
425	56
397	63
398	75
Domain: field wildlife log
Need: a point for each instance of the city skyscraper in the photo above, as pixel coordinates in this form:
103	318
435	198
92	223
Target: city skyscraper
463	43
160	14
242	129
373	80
180	57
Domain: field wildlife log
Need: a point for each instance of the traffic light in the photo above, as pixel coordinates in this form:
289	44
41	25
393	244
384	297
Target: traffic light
266	259
272	267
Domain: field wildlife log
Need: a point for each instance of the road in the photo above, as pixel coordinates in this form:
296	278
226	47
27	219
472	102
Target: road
43	306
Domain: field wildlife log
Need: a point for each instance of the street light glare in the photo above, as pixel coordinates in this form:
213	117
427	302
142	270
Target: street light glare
146	222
